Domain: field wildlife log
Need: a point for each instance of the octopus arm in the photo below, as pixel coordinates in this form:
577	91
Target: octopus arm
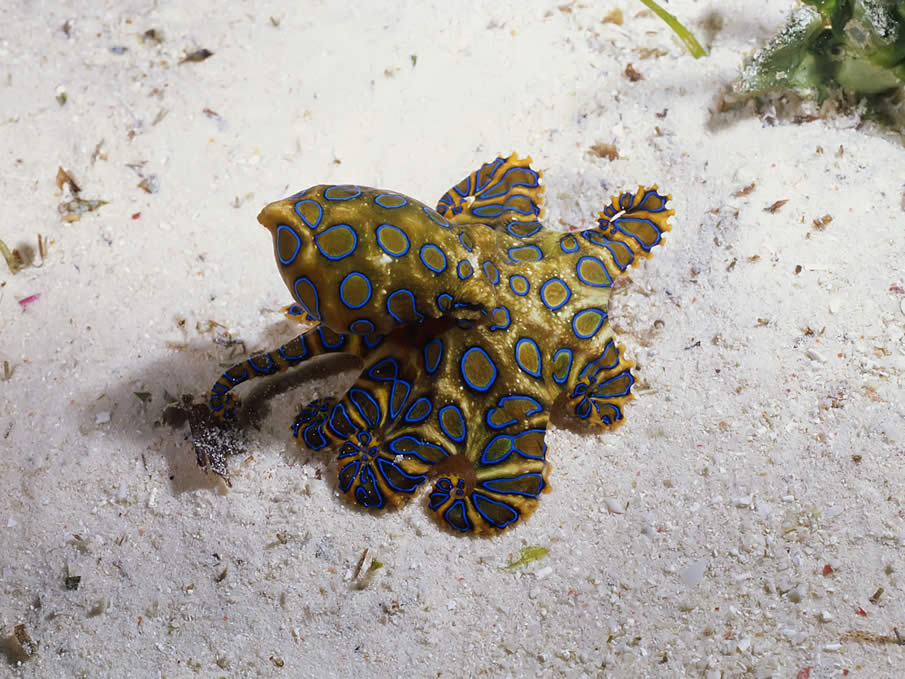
505	194
497	482
317	341
630	227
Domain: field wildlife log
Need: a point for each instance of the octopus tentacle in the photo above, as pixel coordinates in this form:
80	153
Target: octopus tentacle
496	482
311	344
372	470
601	387
630	226
504	194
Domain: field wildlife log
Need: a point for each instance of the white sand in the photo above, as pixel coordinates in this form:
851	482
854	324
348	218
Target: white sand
736	467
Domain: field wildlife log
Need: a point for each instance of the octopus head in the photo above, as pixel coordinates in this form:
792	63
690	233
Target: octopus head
335	253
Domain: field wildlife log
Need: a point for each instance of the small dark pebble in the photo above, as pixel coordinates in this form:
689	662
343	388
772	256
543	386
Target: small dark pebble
197	55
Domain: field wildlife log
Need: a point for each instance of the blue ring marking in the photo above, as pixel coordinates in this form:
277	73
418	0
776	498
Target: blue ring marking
478	498
348	449
488	485
597	364
467	192
525	253
355	393
411	298
459	506
543	298
340	339
438	498
444	302
345	254
342	294
500	188
295	310
464	323
282	230
362	326
465	376
531	343
416	444
372	341
430	247
490	211
427	362
368	494
641	244
384	196
346	479
488	172
624	392
537	227
583	409
397	400
297	357
520	278
647	194
581	313
567	352
234	380
536	408
413	480
506	323
491	271
435	217
356	192
596	285
458	412
598	238
513	447
315	313
494	210
341	428
502	458
320	213
374	370
394	228
414	420
464	266
310	441
568	244
465	245
267	368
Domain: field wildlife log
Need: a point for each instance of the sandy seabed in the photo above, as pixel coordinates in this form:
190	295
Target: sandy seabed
748	520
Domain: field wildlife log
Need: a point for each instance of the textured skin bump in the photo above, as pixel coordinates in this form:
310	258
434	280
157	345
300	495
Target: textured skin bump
469	320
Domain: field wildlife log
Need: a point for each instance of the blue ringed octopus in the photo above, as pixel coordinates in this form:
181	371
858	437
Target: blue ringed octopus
472	324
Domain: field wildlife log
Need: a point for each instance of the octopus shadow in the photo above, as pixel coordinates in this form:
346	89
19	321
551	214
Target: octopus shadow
147	411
